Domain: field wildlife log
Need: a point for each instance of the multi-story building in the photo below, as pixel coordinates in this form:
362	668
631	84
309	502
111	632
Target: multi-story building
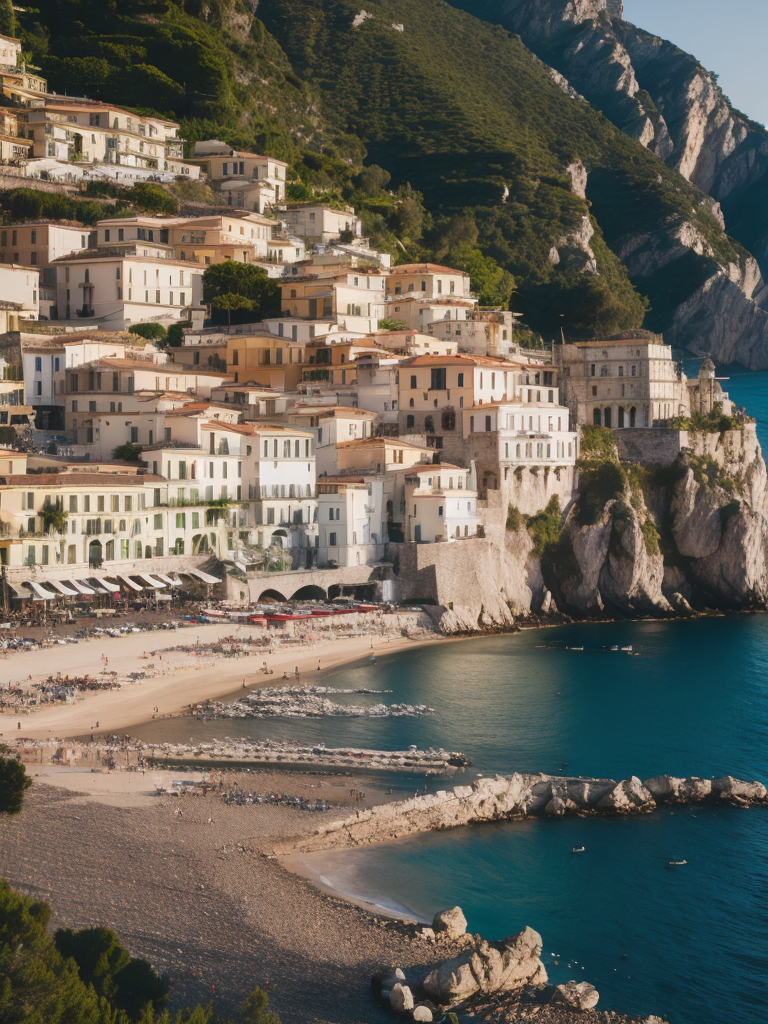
125	287
350	520
20	287
629	380
352	298
281	500
331	424
40	243
482	332
428	281
93	139
247	181
433	389
14	412
206	240
435	503
318	224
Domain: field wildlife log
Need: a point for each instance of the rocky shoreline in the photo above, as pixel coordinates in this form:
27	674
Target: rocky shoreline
522	796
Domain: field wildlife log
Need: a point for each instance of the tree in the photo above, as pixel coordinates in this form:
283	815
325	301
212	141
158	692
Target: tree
255	1009
230	301
223	280
154	198
127	452
389	324
7	19
14	782
372	180
54	516
105	963
174	337
193	192
492	283
150	331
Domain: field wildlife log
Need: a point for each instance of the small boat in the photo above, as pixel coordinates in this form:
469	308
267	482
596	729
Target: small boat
578	849
676	863
627	650
615	647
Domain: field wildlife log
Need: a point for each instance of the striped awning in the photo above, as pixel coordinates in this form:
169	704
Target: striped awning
47	595
129	581
63	588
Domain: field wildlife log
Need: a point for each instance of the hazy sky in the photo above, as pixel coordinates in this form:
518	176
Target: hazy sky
727	38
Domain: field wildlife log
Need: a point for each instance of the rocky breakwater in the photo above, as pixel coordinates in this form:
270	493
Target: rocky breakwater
507	972
521	796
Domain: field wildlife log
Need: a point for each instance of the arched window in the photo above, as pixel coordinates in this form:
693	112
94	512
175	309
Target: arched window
517	451
621	416
632	416
410	405
607	418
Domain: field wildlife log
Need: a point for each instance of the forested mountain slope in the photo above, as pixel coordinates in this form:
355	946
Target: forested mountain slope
599	233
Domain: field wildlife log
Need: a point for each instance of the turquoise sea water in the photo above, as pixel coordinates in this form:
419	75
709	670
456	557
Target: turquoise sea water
688	943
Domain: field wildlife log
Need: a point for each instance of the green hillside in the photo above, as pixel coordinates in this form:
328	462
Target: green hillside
457	109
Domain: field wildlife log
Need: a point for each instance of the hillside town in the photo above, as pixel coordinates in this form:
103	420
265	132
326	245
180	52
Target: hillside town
382	408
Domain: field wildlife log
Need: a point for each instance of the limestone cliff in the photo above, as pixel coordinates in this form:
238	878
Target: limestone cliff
663	97
636	540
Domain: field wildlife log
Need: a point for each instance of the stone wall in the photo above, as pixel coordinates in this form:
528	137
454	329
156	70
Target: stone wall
657	446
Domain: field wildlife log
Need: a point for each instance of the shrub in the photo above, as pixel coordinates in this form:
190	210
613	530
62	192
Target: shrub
154	198
14	782
650	536
544	527
599	483
597	443
127	452
152	332
515	519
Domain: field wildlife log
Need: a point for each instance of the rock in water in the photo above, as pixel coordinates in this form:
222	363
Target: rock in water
488	968
451	923
578	995
401	998
626	797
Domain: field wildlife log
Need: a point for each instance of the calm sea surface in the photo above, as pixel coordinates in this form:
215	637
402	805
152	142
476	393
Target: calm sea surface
688	943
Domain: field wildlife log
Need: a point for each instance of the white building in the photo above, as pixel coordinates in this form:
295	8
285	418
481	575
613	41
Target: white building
115	291
351	512
21	286
331	424
316	223
436	503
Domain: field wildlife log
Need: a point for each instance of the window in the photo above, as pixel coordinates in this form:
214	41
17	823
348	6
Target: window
633	371
413	382
438	379
181	520
38	387
409	422
449	420
128	503
73	503
158	521
86	503
125	549
115	503
331	540
38	364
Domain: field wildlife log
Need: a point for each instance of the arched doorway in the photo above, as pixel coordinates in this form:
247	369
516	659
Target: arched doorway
279	537
95	557
271	597
621	416
632	416
200	544
311	593
148	551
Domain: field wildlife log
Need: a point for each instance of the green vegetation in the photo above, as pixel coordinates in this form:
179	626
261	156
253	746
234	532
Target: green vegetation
651	536
597	443
128	452
87	977
388	324
14	782
243	288
467	136
150	331
154	199
599	483
23	204
175	333
545	526
714	422
515	519
54	516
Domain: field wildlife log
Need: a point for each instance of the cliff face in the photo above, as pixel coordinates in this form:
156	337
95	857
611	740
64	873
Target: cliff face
635	541
663	98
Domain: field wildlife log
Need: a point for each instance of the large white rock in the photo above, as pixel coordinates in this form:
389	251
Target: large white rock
578	995
626	797
451	923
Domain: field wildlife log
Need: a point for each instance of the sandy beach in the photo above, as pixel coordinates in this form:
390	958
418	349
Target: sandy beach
179	678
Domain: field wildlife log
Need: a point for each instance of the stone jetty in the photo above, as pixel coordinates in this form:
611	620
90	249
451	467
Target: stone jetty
304	702
522	796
